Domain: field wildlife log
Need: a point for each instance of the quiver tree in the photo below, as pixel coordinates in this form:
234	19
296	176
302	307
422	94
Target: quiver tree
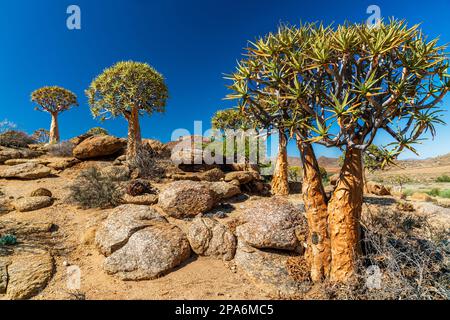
259	86
272	86
364	81
234	124
128	89
54	100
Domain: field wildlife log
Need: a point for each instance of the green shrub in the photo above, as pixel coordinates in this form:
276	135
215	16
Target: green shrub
445	193
8	240
295	174
96	131
408	192
92	189
434	192
443	178
15	139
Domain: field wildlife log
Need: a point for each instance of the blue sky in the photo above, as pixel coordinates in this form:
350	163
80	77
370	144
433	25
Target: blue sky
192	43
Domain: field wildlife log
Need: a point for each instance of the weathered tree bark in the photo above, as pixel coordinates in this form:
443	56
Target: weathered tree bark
318	252
134	135
54	129
344	211
280	181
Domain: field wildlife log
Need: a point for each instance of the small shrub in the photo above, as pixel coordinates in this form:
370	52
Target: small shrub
63	149
8	240
147	165
295	174
15	139
92	189
408	192
443	178
434	192
445	194
96	131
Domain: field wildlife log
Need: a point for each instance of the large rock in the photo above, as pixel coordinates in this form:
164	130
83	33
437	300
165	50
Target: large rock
13	162
28	274
158	149
212	175
225	190
272	224
144	199
12	153
6	206
25	171
183	199
41	192
421	196
242	176
122	223
268	270
98	146
208	237
149	253
377	189
63	164
32	203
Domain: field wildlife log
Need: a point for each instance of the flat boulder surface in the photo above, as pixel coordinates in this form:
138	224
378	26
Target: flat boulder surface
25	171
242	176
32	203
149	253
208	237
225	190
122	223
268	270
28	273
184	199
272	223
12	153
98	146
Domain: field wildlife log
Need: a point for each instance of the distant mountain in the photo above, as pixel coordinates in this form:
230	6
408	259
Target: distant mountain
330	164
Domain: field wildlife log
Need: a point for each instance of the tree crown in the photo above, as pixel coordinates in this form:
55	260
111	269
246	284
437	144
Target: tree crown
54	99
125	86
341	86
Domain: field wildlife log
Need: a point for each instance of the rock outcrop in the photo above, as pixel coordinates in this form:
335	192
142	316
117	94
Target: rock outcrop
25	171
27	274
98	146
140	244
184	199
26	204
272	223
208	237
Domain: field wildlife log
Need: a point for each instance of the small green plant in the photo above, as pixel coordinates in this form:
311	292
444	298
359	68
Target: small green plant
408	192
92	189
295	174
443	178
97	131
445	194
434	192
8	240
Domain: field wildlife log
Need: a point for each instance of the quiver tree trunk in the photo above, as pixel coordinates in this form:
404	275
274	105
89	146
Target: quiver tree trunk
134	135
280	182
318	252
344	211
54	129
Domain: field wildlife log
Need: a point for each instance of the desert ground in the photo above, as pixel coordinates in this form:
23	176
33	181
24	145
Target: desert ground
61	235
